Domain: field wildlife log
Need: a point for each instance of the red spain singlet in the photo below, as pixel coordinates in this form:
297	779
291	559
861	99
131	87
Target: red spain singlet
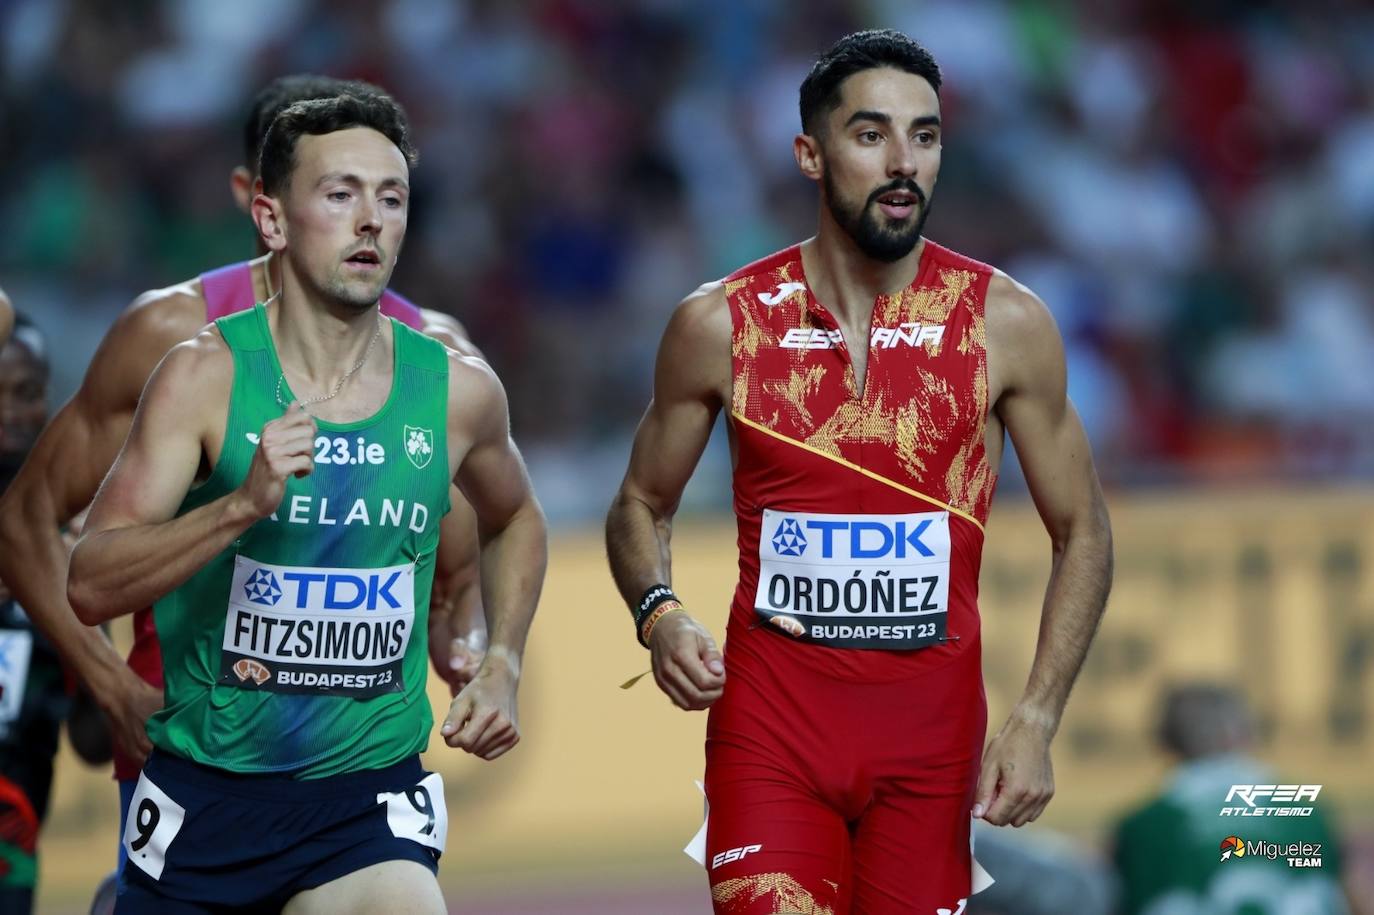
842	758
226	290
861	514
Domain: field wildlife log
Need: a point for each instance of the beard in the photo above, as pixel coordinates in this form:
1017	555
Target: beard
865	224
353	295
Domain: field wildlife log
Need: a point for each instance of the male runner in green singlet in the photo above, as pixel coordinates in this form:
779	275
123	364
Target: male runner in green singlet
291	578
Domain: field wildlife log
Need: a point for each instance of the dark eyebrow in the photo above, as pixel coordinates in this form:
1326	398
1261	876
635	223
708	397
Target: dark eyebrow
928	120
349	178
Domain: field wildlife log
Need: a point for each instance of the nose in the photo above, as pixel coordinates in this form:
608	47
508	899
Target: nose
901	160
369	217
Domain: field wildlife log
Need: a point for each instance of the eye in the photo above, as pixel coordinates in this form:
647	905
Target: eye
339	196
870	136
925	137
394	203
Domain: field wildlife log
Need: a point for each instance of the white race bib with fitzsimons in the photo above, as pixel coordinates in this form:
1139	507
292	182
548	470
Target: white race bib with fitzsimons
308	629
855	581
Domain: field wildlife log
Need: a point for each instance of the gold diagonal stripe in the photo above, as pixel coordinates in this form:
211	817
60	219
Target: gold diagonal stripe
863	470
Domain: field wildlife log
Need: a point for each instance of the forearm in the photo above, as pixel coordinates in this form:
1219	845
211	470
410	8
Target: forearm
119	570
33	565
513	563
1080	579
638	544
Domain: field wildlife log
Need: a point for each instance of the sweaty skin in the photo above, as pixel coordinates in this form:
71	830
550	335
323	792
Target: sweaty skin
886	129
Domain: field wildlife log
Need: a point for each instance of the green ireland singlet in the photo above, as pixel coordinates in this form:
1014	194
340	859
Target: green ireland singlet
302	647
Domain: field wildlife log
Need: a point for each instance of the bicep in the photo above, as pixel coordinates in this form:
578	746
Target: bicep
158	462
491	474
1057	460
667	447
1043	425
690	375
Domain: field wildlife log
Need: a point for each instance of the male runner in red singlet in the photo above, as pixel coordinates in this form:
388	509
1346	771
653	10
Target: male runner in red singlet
869	375
76	450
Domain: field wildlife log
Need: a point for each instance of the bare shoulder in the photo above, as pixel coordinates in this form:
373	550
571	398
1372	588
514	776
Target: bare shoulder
1014	311
151	325
198	370
161	318
702	318
1024	346
475	395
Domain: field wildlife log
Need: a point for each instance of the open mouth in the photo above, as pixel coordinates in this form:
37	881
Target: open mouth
898	204
365	258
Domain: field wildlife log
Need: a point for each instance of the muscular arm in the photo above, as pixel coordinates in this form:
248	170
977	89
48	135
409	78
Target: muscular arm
457	627
60	478
692	368
134	550
1054	453
510	522
482	718
691	382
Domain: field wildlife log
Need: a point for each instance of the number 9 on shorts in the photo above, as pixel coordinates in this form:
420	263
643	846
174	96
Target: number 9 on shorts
419	813
154	821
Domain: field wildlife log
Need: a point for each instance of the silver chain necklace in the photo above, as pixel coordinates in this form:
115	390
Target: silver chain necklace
342	381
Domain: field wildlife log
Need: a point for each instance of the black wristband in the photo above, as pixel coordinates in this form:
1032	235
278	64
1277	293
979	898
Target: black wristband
656	595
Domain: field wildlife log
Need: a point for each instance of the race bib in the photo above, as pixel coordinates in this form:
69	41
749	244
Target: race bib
152	822
855	581
308	629
16	648
419	813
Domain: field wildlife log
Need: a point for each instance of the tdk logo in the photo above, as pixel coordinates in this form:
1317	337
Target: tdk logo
868	539
788	540
262	588
342	591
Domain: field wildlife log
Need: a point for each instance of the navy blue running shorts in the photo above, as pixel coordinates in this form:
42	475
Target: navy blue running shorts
201	839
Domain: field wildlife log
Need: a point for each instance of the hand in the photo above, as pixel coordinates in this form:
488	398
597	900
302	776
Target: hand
456	656
482	719
687	665
285	448
1017	780
128	702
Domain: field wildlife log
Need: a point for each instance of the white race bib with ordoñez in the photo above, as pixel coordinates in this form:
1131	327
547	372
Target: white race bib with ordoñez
855	581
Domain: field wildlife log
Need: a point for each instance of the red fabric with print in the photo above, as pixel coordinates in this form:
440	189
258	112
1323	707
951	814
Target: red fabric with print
822	755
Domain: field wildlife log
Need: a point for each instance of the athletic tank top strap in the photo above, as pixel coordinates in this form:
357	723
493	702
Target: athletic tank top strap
227	290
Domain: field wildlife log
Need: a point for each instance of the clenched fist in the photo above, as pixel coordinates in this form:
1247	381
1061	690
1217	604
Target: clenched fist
285	449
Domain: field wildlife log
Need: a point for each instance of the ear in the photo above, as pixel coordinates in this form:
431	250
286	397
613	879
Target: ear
270	219
807	150
241	186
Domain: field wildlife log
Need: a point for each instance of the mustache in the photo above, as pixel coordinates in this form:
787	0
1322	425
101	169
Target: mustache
373	248
901	184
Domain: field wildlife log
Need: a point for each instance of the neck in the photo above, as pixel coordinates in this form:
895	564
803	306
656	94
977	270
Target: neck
319	341
846	280
266	272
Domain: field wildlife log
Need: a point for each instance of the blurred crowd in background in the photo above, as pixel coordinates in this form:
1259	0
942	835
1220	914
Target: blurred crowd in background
1189	184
